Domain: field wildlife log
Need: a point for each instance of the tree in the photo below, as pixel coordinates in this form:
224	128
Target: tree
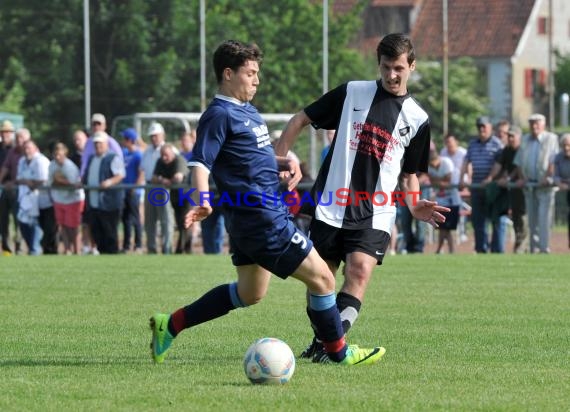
145	55
466	99
44	39
12	92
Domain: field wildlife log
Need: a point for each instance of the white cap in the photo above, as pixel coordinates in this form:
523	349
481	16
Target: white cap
99	118
100	137
537	117
155	128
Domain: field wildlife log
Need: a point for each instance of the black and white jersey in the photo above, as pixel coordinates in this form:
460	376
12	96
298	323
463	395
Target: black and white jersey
378	135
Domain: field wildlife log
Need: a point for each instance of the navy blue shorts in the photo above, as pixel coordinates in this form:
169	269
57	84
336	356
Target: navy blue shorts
334	244
279	250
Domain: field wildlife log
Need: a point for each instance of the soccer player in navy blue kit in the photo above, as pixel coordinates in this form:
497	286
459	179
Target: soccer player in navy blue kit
233	144
382	137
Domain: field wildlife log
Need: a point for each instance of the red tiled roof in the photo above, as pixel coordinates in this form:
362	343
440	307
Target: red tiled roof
475	28
392	3
343	6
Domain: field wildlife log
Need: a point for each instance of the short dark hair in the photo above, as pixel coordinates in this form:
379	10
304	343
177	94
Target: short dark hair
233	54
395	44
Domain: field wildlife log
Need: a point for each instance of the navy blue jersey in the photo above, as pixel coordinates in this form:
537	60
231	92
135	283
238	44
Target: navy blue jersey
233	144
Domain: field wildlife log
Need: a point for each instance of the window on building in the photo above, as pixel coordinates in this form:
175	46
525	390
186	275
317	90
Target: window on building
542	25
534	82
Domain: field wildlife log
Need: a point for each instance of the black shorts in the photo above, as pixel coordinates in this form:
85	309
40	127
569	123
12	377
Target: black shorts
334	244
451	219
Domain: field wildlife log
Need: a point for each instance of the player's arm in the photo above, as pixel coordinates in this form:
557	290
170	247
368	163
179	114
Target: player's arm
200	196
292	130
290	170
421	209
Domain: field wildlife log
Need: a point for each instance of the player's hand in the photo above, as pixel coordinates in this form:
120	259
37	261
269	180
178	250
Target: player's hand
196	214
292	175
429	212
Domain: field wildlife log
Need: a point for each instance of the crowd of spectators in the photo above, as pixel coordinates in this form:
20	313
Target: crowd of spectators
501	179
63	200
505	179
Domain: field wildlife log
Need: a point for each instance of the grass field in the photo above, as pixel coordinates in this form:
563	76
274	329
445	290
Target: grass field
461	333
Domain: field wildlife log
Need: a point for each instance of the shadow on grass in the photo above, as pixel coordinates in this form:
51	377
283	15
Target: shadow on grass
72	361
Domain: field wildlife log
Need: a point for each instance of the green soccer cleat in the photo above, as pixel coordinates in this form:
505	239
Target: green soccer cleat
361	356
161	337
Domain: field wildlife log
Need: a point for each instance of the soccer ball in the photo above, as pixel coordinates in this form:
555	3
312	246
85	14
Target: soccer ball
269	361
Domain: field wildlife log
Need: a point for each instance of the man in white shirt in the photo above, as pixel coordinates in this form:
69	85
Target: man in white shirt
32	173
155	213
532	161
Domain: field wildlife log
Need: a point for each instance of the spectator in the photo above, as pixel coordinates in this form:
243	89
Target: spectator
502	131
171	169
479	161
503	171
104	169
560	169
7	195
47	212
9	156
213	227
532	160
6	139
32	173
456	153
131	217
154	214
440	173
187	141
413	230
68	201
98	124
79	142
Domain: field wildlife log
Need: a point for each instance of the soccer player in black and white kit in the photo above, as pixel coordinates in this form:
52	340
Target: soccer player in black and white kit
382	139
233	145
